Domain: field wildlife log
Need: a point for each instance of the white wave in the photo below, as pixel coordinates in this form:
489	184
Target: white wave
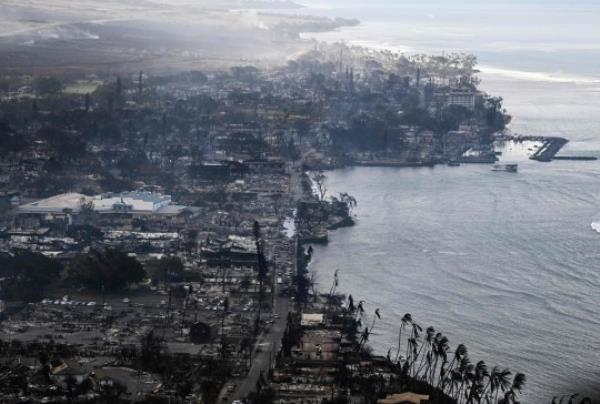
539	76
65	33
452	253
596	226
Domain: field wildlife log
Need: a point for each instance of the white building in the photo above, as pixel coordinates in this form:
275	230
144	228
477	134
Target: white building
464	98
138	202
135	202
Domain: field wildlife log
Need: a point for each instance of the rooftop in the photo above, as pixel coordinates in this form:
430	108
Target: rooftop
135	201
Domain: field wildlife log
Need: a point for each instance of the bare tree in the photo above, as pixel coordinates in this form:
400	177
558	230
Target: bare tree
320	181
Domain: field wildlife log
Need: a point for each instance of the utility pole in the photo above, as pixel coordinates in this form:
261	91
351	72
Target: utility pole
140	78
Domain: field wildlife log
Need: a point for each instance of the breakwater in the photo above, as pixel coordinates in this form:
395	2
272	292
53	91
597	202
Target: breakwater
550	147
576	158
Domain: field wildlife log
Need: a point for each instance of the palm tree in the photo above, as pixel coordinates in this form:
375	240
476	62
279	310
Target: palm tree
439	350
333	288
517	385
467	370
477	382
433	357
442	353
503	382
361	308
335	283
456	378
368	331
262	271
459	353
411	347
499	380
223	315
351	307
428	342
411	354
406	319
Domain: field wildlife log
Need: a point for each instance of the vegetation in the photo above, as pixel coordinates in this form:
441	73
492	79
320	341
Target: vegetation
110	270
304	280
427	358
166	269
27	275
320	180
45	86
85	233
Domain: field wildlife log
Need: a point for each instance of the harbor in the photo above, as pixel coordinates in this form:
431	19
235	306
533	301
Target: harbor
539	148
549	149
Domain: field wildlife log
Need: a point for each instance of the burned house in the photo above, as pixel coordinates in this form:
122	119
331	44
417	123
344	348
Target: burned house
235	250
211	172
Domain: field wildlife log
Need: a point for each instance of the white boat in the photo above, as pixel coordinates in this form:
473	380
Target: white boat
511	168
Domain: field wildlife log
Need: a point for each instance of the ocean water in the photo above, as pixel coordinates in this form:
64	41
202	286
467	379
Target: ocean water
508	264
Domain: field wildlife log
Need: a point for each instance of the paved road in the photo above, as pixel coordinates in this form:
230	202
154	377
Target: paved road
268	346
270	343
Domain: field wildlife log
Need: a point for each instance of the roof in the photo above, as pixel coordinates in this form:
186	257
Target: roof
67	368
321	336
171	210
57	203
136	201
311	319
403	398
146	196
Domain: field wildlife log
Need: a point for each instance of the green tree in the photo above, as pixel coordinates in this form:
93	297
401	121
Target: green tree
166	269
10	141
28	275
85	233
109	270
66	146
46	86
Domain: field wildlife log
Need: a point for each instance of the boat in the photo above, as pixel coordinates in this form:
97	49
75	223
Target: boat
508	167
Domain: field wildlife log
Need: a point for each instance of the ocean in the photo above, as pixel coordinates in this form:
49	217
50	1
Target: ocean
508	264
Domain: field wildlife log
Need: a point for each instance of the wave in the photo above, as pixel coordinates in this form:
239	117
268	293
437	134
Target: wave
65	33
539	76
596	226
452	253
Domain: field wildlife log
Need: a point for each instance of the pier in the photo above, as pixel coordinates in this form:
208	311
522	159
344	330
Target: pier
393	163
549	149
577	158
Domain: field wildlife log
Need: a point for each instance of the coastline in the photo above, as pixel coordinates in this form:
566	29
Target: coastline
467	286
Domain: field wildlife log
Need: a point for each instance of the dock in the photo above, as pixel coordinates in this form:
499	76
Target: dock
577	158
392	163
550	147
